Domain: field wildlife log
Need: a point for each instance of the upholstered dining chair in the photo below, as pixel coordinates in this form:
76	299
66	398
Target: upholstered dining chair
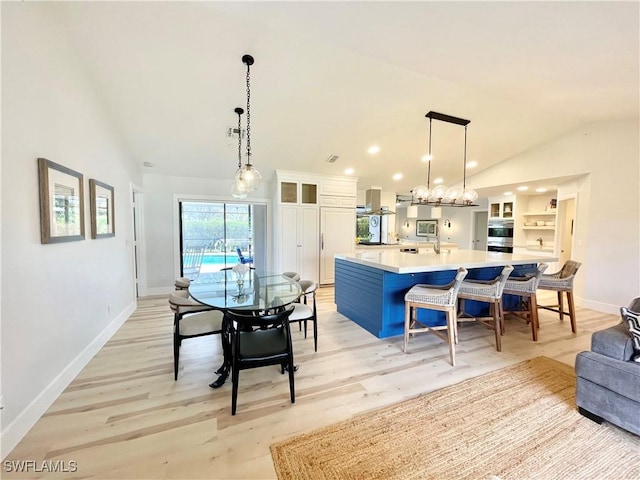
259	341
525	288
303	312
562	282
294	275
191	319
433	297
182	283
488	291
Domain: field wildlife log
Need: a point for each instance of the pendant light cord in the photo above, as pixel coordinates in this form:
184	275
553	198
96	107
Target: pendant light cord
248	113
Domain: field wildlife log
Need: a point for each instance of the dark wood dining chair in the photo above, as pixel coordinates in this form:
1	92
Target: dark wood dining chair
191	319
259	341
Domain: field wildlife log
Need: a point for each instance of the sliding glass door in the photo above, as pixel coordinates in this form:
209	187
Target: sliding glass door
215	235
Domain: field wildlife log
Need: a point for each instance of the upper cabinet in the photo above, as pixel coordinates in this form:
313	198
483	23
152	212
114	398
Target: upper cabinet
502	207
298	193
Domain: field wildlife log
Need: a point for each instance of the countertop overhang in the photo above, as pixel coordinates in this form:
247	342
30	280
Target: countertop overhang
399	262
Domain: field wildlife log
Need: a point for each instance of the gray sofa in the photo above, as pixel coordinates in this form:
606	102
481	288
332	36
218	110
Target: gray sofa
608	385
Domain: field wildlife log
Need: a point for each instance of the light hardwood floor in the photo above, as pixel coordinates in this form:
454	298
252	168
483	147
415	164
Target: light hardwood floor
125	417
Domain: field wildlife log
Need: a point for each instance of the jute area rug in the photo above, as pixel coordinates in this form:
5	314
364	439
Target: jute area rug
520	422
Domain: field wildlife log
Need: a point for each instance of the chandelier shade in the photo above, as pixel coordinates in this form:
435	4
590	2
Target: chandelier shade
440	194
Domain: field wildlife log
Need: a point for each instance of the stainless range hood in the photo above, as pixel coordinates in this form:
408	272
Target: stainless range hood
373	206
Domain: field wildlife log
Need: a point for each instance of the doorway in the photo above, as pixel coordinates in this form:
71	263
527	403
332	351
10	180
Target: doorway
217	235
479	230
566	227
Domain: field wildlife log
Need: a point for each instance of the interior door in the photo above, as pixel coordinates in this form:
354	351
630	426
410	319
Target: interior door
479	240
337	235
566	226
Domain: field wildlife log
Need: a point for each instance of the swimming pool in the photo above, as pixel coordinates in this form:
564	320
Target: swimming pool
220	259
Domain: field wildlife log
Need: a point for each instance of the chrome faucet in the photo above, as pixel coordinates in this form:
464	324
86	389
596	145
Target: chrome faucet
539	241
436	245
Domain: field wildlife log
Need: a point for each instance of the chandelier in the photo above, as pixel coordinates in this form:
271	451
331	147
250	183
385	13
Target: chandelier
247	178
441	195
235	191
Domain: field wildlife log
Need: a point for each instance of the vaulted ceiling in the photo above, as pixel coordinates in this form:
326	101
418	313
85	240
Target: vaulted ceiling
333	78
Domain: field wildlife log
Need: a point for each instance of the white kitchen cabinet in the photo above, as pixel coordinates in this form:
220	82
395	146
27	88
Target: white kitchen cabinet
298	241
502	207
337	235
299	197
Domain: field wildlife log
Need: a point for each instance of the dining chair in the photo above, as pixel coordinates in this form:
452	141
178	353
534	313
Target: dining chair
560	282
191	319
294	275
182	283
259	341
525	287
487	291
433	297
303	312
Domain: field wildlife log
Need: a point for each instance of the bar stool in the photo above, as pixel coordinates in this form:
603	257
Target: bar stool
433	297
489	292
562	281
525	288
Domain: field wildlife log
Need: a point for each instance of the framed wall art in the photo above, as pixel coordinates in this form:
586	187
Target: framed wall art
61	203
426	228
102	209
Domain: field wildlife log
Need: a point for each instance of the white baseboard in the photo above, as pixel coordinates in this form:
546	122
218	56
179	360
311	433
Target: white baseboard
152	292
600	306
16	430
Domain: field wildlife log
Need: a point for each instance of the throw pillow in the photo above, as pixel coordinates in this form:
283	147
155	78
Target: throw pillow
633	322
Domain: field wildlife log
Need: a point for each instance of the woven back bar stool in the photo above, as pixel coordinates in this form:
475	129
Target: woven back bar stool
525	288
488	291
560	282
433	297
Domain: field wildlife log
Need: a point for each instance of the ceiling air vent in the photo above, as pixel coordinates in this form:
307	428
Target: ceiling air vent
332	159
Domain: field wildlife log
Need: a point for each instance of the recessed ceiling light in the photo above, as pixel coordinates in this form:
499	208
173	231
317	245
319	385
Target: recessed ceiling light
472	164
508	193
373	149
541	190
438	181
348	171
522	188
397	176
426	158
148	164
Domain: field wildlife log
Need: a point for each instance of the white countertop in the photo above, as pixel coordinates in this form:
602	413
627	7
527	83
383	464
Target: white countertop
398	246
399	262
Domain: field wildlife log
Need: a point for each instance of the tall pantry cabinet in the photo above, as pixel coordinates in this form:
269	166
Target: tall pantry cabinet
315	219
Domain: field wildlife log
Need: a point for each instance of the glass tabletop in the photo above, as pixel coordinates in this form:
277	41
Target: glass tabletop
255	291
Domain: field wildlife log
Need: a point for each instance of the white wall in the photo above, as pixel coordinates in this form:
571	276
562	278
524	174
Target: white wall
60	302
161	222
461	223
608	219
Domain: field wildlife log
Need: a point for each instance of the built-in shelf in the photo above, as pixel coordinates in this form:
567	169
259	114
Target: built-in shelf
544	227
533	214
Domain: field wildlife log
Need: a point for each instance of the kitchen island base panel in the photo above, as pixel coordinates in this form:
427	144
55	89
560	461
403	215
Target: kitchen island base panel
374	298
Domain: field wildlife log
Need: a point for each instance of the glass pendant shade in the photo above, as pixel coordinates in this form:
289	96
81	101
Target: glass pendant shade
469	196
236	192
453	194
438	192
421	192
248	178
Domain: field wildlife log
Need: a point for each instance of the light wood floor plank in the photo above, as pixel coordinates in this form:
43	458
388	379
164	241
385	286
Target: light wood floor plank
125	417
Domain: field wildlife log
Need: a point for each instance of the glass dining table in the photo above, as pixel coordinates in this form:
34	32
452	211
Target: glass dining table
253	293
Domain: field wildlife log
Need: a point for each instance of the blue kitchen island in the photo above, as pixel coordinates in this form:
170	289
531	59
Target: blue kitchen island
370	286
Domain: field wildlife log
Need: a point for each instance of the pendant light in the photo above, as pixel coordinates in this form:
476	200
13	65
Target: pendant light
235	191
441	195
247	177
